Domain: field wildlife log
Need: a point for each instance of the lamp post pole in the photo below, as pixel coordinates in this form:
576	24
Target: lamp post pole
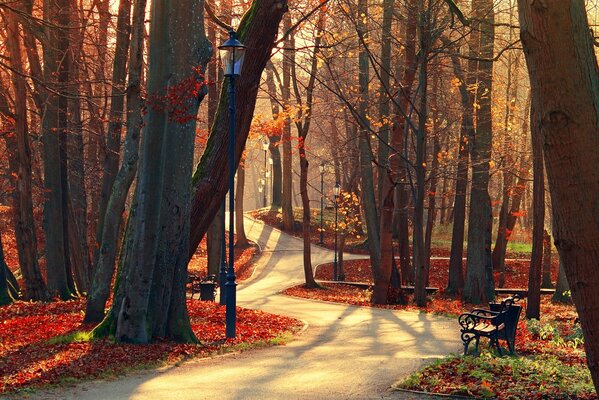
233	54
336	191
222	278
321	242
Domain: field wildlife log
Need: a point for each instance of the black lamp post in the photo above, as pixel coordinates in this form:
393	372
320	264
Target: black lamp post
336	191
232	54
321	168
265	148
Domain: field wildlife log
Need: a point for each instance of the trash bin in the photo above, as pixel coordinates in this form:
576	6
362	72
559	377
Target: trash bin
208	288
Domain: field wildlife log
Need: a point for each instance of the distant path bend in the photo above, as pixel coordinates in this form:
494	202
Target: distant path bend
347	352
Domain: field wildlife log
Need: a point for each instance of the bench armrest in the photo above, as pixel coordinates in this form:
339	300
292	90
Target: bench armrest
469	321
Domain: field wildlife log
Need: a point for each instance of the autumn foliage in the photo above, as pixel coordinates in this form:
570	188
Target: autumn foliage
44	344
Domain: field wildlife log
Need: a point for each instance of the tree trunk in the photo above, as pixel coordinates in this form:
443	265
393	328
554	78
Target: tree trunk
104	268
242	240
455	282
433	178
562	66
35	287
368	190
533	307
115	117
275	141
384	107
153	302
5	296
56	65
562	289
503	235
77	204
257	31
304	119
399	140
546	281
215	232
288	60
479	269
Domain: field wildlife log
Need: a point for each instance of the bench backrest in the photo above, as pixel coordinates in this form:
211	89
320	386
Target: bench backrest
511	315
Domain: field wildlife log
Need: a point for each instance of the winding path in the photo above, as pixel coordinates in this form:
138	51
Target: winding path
346	352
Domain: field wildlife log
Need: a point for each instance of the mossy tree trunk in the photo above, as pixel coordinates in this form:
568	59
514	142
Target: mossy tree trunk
257	30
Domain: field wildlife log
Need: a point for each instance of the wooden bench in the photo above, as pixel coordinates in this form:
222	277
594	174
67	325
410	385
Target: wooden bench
498	323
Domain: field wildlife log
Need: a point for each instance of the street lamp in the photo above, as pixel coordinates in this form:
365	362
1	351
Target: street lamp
265	148
336	191
232	53
321	168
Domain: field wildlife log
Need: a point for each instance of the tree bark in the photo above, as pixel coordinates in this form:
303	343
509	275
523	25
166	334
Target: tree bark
455	283
546	281
56	60
366	170
105	266
242	240
115	116
533	306
479	269
35	287
257	31
288	60
559	51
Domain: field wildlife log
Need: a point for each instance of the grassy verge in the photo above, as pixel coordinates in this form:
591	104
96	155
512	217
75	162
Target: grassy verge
510	377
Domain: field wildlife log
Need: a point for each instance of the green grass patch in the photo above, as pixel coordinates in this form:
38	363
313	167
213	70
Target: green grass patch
75	337
510	377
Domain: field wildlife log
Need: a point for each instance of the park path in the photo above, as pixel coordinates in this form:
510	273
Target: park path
346	352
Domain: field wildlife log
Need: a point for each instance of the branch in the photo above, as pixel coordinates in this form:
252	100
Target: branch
215	19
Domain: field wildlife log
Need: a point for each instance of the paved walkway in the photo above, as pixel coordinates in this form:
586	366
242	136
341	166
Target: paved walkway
346	352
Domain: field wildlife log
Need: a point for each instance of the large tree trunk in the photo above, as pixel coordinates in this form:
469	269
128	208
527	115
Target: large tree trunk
35	287
104	268
257	31
479	269
559	51
216	231
533	307
154	280
54	121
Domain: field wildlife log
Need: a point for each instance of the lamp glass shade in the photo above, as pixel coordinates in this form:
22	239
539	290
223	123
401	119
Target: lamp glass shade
265	146
321	168
232	53
337	189
270	161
